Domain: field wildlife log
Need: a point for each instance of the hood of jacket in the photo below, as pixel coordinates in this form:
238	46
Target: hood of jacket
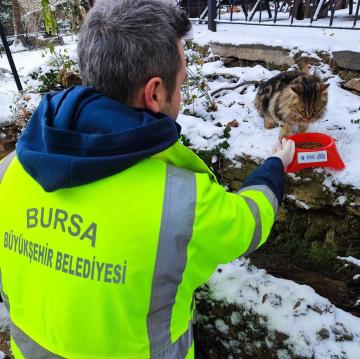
78	136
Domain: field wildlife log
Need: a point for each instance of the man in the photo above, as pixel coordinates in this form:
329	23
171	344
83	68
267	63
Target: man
109	224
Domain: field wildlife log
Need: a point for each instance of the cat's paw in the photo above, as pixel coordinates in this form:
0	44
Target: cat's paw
269	124
284	134
302	128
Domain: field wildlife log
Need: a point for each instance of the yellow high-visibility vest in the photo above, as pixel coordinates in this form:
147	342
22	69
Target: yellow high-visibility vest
108	269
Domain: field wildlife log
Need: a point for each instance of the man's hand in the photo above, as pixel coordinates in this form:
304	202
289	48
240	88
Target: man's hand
284	150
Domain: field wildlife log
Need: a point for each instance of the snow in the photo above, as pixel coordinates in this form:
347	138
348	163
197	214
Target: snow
305	39
221	326
341	200
4	109
290	308
299	203
352	260
4	318
26	62
203	135
17	47
251	139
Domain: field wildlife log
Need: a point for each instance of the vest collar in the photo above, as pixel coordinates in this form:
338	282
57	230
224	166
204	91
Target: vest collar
181	156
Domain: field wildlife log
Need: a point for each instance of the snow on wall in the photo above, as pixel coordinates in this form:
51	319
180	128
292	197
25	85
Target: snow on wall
306	39
4	318
314	327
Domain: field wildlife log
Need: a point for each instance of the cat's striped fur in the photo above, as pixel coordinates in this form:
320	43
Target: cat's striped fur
291	98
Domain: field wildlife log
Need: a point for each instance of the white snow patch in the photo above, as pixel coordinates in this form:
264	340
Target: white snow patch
4	318
300	204
351	260
235	318
283	354
341	200
290	308
309	40
5	112
203	134
221	326
25	61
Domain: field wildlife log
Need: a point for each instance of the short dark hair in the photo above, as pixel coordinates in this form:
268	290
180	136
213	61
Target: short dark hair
124	43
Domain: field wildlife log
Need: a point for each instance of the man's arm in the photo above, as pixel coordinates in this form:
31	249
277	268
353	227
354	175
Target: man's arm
229	225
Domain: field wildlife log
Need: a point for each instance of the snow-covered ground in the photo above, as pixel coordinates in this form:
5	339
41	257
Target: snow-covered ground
4	318
306	39
250	138
313	327
25	62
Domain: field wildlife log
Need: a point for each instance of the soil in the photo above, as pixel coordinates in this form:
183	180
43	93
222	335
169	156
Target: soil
6	148
4	345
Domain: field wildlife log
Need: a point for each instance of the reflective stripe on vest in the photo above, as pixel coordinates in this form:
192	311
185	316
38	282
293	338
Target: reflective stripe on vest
254	208
175	233
258	226
28	347
5	164
269	194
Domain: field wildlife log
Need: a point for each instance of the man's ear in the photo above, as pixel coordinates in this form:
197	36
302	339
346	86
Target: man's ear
155	94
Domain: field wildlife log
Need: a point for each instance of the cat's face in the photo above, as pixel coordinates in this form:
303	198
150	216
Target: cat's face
309	99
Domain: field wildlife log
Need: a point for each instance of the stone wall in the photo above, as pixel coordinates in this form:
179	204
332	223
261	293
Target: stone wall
313	227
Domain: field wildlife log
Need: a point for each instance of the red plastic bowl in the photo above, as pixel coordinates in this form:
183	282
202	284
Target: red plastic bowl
324	156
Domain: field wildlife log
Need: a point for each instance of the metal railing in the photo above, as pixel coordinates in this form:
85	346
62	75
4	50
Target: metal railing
334	14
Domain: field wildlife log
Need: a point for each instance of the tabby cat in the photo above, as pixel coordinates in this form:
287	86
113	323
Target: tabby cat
291	98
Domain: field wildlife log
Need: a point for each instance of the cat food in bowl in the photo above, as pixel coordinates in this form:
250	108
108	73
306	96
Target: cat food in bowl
308	145
314	149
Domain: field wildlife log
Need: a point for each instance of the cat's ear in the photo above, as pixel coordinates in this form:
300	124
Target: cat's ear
298	89
323	87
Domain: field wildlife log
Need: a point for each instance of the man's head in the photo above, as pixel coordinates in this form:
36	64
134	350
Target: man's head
130	50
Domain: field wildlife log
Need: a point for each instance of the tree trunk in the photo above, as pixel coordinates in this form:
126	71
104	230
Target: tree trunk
18	25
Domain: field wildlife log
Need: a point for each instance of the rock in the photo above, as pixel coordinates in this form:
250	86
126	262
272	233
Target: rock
273	299
347	59
270	54
353	84
323	334
341	333
317	229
